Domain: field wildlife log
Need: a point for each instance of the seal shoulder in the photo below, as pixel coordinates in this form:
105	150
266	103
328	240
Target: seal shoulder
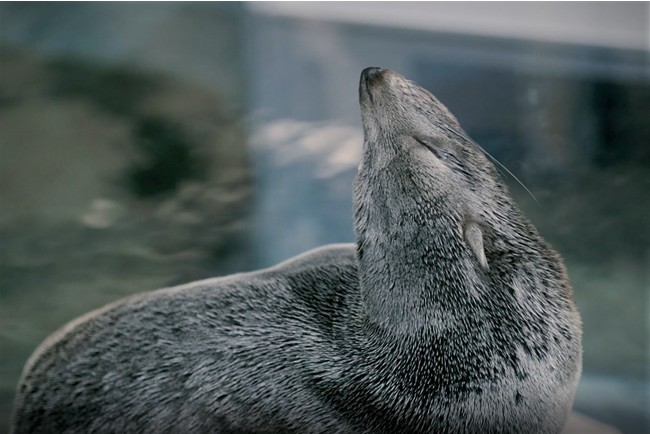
149	335
331	254
316	261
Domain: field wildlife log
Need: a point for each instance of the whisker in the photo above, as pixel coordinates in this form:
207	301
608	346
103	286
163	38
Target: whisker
468	139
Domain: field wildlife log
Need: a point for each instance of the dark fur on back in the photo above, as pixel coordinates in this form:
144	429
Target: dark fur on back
450	314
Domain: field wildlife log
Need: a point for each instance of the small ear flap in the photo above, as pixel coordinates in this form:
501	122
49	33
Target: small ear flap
474	239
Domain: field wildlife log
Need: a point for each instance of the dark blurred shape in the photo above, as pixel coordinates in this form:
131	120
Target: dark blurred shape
167	158
623	117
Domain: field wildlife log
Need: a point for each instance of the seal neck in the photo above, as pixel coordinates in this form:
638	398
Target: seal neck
414	271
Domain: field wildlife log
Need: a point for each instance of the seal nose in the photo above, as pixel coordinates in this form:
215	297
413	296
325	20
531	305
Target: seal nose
370	73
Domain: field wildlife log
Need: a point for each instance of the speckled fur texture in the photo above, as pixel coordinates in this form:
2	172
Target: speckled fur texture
449	315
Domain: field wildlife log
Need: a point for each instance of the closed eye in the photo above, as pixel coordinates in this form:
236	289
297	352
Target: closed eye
437	150
445	156
434	149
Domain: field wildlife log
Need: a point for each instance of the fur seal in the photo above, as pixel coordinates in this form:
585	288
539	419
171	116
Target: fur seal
450	314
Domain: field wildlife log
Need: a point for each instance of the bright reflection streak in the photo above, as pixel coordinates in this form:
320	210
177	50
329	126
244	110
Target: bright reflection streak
334	148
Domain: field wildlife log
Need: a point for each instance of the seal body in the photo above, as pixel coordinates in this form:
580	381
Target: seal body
449	314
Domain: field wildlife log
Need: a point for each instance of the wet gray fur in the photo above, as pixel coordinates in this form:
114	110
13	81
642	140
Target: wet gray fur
450	314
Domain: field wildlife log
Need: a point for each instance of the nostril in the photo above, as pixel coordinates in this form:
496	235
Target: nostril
371	72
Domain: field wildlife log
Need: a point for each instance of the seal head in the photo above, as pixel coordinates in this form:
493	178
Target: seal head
445	254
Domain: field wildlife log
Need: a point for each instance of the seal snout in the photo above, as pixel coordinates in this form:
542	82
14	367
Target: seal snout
369	77
371	73
378	80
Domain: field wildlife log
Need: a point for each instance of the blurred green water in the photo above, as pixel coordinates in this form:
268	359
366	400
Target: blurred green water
111	182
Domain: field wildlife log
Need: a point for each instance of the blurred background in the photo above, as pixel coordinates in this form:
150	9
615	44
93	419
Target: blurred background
144	145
